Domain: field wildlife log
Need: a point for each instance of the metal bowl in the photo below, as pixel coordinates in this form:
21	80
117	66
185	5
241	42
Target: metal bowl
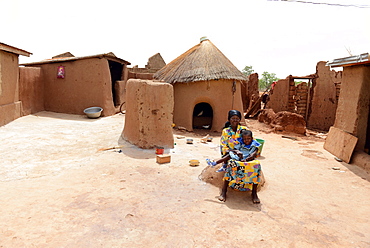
93	112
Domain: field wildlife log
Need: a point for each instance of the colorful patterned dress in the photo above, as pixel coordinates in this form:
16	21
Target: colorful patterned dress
229	138
241	175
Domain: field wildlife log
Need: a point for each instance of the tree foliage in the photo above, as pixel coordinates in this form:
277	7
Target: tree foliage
266	80
247	70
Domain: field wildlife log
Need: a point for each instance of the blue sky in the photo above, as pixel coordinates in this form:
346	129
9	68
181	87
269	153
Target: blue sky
275	36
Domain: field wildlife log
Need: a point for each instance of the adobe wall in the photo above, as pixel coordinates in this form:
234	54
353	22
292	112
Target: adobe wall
31	90
155	62
354	100
8	78
218	94
301	99
248	89
10	105
279	96
149	114
10	112
87	83
324	99
140	75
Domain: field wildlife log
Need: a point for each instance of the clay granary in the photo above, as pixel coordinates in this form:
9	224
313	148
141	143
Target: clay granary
206	86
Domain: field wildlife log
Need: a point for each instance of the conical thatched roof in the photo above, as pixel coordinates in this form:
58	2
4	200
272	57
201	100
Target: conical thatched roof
203	62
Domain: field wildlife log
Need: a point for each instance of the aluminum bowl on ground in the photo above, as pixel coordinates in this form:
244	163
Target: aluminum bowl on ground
93	112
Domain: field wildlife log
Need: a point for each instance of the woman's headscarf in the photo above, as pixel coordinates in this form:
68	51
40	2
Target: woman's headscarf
234	112
231	114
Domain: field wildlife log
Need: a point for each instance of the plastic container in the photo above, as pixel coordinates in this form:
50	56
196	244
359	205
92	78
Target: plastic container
159	150
194	162
261	141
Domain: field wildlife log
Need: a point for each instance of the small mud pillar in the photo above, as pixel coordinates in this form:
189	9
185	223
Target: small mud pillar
149	114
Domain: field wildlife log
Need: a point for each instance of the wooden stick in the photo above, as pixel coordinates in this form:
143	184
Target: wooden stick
110	148
288	137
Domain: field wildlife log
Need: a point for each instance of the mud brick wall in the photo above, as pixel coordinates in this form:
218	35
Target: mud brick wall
249	91
281	97
31	90
353	105
301	99
149	114
325	94
292	92
10	105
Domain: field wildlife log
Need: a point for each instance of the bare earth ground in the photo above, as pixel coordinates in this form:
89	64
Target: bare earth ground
58	190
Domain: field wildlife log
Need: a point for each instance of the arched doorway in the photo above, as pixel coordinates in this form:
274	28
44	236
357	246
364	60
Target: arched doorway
202	116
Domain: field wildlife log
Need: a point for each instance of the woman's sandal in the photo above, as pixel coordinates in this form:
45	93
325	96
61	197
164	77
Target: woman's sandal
210	163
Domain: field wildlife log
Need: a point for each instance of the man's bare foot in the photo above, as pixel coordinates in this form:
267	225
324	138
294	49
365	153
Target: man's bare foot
222	198
255	199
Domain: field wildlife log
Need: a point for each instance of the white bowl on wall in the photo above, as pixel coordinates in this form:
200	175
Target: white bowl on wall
93	112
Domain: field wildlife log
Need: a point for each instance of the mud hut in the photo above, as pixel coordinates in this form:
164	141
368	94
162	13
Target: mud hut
10	104
206	86
352	120
71	84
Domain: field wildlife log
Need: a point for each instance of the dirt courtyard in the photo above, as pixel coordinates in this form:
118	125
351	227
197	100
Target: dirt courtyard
59	190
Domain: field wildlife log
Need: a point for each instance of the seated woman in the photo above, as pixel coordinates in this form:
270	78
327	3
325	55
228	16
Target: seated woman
239	175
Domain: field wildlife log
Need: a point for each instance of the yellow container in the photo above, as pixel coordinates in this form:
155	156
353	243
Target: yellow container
194	162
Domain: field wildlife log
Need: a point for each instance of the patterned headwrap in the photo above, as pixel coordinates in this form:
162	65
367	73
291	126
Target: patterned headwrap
231	114
234	112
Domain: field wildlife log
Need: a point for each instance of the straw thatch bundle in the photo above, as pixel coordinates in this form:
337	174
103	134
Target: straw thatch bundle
203	62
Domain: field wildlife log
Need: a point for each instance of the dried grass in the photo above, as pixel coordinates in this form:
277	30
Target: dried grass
203	62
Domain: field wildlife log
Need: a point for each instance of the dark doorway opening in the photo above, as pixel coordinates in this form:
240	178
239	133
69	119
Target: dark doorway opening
116	75
202	116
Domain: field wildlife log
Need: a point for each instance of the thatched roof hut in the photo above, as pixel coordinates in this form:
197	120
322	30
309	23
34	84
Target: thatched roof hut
206	86
202	62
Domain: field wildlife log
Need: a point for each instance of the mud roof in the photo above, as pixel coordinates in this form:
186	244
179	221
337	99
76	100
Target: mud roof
67	54
14	50
203	62
56	59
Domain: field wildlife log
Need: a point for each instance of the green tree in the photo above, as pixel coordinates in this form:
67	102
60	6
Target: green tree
247	70
266	80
